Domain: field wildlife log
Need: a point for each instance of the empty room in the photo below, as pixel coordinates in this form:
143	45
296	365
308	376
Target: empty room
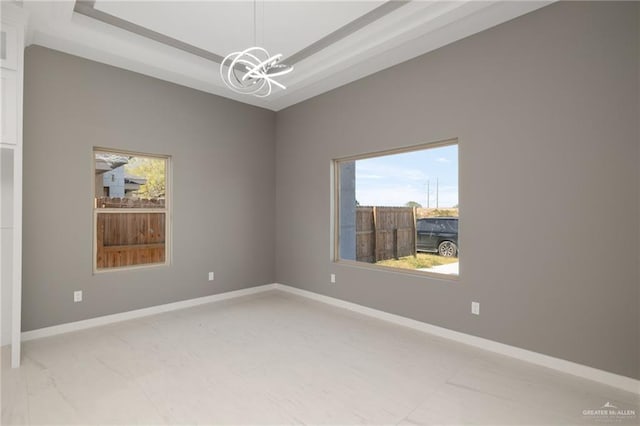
320	212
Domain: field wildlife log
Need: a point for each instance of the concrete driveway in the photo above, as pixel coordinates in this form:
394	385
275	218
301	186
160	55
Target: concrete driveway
450	269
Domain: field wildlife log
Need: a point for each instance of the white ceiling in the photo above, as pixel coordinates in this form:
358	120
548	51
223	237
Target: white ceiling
220	27
227	26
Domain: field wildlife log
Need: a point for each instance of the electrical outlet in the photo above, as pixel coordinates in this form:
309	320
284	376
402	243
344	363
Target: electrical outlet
333	278
211	276
475	308
77	296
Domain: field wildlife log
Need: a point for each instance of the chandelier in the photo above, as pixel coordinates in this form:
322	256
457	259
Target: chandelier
252	71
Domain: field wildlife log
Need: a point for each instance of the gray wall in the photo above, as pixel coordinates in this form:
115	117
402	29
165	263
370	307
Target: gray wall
546	111
223	187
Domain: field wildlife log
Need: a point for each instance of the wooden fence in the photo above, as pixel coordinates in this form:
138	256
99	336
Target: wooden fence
385	233
129	203
125	239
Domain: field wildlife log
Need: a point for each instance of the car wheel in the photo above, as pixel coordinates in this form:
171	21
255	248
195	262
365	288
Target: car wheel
447	249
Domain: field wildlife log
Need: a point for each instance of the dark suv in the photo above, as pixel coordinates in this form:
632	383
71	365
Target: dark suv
438	234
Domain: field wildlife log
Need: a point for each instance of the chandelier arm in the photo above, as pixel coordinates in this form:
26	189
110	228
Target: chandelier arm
258	70
279	73
275	82
259	95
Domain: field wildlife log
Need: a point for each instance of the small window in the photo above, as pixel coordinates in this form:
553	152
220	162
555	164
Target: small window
130	216
400	209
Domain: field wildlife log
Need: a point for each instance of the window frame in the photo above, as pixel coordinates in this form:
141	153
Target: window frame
167	210
335	210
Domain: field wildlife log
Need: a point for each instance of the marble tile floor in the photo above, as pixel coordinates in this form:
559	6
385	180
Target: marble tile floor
275	358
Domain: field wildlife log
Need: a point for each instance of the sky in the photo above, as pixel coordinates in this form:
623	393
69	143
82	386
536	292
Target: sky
394	180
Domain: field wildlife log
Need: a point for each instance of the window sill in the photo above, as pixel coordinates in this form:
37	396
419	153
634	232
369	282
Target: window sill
390	269
129	268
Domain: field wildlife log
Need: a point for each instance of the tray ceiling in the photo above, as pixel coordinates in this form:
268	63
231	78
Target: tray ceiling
330	43
221	27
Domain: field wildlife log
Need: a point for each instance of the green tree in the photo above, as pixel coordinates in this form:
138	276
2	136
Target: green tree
413	204
153	170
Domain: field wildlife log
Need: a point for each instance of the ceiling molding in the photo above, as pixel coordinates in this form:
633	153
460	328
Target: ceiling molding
398	35
87	8
346	30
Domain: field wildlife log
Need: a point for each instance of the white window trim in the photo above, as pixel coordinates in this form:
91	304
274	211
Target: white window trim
167	210
335	211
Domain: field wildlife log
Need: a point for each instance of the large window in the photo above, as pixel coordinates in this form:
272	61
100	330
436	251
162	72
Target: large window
131	209
400	209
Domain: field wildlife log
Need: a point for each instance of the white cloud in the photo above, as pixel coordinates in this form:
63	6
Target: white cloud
443	160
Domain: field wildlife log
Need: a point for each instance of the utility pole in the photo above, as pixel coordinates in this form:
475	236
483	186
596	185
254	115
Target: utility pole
428	193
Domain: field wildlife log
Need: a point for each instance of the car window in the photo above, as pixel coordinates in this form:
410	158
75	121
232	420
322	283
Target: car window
426	226
450	225
437	225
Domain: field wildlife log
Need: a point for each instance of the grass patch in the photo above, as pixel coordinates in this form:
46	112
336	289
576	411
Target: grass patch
422	260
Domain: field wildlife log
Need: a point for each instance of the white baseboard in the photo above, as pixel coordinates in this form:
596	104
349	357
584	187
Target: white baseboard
579	370
138	313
